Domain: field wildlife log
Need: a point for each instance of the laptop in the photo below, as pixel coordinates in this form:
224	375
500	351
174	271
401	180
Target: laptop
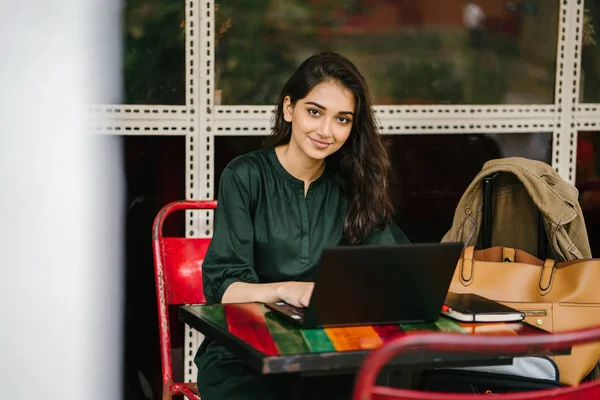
377	284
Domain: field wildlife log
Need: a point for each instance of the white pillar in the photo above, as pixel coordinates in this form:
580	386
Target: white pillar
61	205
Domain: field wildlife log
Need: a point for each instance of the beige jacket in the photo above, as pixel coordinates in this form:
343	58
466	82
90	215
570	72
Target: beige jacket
521	188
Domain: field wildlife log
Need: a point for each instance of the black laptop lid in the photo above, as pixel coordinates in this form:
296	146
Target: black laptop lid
367	285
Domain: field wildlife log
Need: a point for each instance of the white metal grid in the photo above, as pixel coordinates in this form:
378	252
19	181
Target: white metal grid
568	62
138	119
256	120
587	117
194	22
199	120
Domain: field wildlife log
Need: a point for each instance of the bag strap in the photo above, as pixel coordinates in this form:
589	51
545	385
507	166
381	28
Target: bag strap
486	220
509	255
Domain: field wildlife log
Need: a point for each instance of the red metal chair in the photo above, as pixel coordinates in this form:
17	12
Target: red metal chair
365	388
178	273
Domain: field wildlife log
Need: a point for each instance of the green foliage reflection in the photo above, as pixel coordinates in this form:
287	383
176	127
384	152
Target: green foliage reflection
154	60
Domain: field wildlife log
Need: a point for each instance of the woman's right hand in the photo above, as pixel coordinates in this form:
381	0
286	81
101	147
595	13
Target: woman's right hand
295	293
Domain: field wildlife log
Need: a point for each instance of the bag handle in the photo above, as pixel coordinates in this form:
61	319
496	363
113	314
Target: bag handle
466	268
466	276
545	283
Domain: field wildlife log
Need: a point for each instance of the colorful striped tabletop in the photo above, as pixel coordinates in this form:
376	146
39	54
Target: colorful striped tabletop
254	330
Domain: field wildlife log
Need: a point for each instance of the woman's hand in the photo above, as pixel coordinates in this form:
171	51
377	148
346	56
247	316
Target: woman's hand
295	293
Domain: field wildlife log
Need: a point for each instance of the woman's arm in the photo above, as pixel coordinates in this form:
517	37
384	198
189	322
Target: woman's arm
228	268
230	256
294	293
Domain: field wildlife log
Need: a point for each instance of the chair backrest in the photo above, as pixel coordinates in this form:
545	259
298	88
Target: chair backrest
365	388
178	273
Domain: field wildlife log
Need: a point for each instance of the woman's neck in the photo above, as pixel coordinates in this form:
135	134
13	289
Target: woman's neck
298	164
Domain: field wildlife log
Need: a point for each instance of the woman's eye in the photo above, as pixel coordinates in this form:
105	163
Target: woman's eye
314	112
343	120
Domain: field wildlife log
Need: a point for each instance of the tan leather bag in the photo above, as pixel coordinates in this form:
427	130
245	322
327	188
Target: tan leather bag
554	296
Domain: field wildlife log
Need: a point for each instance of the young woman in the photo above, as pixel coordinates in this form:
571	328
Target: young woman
322	181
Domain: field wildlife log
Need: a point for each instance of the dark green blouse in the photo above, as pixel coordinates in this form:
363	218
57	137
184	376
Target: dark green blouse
266	230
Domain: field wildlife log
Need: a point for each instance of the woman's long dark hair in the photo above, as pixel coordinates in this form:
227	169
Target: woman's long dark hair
362	161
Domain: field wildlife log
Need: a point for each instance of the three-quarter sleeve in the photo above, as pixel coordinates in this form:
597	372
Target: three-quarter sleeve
231	252
392	234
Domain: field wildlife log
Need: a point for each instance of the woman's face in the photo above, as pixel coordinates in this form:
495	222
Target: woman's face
321	121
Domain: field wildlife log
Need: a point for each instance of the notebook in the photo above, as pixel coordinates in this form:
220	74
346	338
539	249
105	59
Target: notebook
377	284
470	307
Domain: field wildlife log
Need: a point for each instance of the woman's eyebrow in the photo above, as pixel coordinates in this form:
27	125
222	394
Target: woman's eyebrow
325	108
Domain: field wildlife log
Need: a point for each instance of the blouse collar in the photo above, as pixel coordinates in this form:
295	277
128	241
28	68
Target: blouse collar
289	177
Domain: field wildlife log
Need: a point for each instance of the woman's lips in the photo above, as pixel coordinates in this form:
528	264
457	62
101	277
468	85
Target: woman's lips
320	144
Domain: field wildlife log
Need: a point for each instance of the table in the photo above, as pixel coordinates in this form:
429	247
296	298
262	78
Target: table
273	345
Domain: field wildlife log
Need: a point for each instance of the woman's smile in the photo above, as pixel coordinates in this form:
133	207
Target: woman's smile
320	144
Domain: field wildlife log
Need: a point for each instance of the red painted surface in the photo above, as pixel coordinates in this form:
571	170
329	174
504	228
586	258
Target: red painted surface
387	332
183	269
247	322
365	388
178	274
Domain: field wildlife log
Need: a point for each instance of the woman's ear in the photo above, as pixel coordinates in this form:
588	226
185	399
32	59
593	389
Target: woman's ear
288	109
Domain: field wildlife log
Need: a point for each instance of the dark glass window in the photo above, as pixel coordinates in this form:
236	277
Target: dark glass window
588	182
154	53
155	176
590	54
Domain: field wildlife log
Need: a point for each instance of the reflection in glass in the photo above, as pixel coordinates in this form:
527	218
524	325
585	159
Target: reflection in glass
411	52
425	193
587	180
590	55
154	69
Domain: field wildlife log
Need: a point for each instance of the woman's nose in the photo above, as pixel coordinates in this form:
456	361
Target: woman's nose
325	128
